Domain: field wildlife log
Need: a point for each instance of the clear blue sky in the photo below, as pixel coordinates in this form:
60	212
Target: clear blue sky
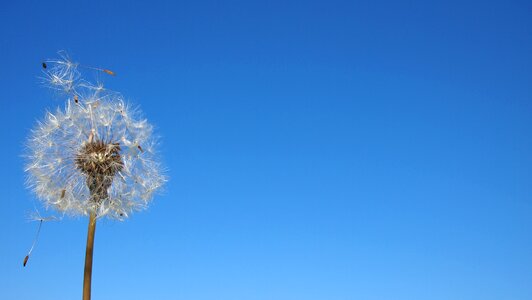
316	150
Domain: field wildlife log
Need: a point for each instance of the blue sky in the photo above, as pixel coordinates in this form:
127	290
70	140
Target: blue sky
316	150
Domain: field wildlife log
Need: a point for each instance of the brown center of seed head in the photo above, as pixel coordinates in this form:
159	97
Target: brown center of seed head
100	161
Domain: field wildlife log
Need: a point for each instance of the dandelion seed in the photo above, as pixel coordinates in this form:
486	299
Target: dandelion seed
33	244
35	239
107	71
37	217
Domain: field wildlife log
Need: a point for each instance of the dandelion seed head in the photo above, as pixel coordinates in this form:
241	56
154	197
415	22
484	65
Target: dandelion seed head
97	154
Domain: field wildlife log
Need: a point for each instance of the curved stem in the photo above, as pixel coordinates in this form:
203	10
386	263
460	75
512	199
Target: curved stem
88	257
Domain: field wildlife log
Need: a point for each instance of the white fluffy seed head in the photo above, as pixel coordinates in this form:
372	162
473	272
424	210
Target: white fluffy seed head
59	142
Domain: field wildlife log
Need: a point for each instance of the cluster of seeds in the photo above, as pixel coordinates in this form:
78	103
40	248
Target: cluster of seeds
97	154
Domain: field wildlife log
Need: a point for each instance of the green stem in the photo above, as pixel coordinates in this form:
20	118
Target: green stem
88	257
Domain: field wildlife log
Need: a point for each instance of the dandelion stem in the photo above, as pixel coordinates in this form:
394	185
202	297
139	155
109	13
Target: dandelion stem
88	257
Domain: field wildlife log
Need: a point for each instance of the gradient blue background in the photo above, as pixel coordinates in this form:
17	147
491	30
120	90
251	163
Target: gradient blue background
316	150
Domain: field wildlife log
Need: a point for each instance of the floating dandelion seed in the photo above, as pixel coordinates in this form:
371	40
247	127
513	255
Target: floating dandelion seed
33	244
36	217
62	74
109	72
96	156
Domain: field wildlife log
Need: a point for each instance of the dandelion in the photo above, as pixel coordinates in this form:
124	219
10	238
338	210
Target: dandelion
95	157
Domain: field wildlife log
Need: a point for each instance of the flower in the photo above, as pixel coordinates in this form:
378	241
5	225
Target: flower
95	155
